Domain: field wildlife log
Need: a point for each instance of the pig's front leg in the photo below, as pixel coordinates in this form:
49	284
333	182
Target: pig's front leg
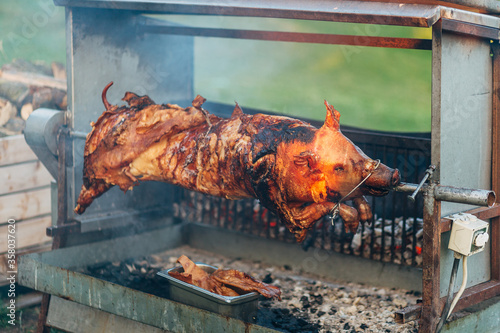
350	216
364	210
307	215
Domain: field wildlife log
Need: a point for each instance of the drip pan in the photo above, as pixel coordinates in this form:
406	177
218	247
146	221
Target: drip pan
243	307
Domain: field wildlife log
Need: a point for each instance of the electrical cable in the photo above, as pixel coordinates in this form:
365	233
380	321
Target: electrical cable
447	306
462	287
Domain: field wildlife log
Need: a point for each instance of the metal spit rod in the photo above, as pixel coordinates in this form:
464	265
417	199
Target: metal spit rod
453	194
78	134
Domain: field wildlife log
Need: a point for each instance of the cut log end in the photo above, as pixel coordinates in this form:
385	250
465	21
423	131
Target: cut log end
7	111
26	111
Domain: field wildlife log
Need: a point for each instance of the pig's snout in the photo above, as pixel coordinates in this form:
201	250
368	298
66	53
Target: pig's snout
381	180
395	179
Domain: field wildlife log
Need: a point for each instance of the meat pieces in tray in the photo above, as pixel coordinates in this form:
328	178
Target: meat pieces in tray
229	282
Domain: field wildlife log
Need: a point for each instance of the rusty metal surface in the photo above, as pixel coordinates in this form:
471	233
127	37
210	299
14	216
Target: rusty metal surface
469	196
471	29
314	38
125	302
431	250
492	6
91	320
495	162
469	17
482	6
54	273
476	294
389	13
422	15
408	314
471	297
465	195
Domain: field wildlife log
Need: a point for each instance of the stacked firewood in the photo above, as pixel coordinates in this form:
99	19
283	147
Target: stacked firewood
26	86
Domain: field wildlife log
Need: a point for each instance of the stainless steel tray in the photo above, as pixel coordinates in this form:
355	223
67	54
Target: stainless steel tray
243	307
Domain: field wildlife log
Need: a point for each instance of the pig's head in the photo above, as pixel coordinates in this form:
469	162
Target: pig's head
336	166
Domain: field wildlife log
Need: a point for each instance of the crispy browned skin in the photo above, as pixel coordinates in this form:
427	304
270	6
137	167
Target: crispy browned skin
244	283
196	276
297	171
223	282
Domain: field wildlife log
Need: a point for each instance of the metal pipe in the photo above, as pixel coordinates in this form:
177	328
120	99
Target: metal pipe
465	195
407	187
78	134
454	194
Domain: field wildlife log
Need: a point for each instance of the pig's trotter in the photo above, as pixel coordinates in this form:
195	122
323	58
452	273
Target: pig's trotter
307	215
364	210
350	216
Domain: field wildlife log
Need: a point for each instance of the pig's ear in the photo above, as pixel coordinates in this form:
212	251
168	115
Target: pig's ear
306	158
332	117
237	112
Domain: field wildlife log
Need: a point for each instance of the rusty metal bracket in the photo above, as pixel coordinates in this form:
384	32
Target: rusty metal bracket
471	29
408	314
67	228
298	37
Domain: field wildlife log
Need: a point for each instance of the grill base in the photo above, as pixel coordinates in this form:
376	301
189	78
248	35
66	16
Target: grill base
57	273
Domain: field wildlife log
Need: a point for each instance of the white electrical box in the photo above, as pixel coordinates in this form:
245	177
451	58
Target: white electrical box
468	234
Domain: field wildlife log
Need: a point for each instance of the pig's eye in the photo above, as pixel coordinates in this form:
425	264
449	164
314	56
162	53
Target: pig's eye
339	168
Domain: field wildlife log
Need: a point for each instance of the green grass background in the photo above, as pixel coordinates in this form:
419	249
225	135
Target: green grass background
374	88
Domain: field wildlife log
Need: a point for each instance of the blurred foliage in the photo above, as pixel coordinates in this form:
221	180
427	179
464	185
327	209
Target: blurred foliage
375	88
32	30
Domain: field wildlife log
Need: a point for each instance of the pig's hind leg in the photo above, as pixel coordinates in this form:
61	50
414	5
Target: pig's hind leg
87	195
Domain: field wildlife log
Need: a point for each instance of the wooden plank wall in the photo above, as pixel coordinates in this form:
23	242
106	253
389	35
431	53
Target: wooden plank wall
24	197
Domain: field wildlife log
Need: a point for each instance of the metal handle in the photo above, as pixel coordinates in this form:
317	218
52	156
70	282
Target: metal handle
428	173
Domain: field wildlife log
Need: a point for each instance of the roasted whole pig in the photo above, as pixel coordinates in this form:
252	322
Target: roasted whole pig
226	282
296	170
